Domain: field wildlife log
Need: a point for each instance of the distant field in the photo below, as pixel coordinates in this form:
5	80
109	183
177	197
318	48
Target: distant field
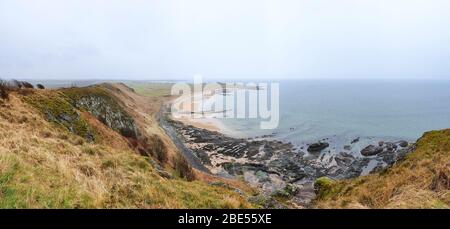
151	89
147	88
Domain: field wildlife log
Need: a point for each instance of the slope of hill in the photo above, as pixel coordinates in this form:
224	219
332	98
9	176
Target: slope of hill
101	147
98	147
422	180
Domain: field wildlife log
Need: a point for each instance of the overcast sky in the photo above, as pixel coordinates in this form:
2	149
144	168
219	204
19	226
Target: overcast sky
175	39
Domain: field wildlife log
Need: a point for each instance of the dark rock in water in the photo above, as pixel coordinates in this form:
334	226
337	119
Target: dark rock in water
355	140
347	147
317	147
380	143
345	154
403	143
342	160
389	146
371	150
356	168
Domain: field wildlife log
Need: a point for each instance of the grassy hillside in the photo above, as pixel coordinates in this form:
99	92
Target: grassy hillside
72	148
54	155
422	180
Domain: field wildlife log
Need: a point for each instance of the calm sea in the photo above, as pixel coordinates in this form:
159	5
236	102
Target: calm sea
340	111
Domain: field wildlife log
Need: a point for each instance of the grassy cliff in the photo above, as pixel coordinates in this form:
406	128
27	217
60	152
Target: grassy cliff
58	152
422	180
55	154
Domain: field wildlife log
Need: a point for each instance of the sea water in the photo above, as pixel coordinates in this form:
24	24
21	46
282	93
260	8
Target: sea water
343	110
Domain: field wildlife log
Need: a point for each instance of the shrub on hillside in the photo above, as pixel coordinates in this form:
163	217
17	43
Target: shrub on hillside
21	84
152	146
158	149
5	89
16	84
183	168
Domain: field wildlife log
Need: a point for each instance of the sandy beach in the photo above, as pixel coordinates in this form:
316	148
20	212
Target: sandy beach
190	113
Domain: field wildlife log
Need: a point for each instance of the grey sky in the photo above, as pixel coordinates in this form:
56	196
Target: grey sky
175	39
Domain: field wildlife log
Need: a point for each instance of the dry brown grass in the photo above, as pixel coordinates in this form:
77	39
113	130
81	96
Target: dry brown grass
420	181
143	110
45	166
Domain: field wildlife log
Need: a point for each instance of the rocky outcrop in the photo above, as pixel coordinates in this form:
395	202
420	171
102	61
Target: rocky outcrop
403	143
274	165
63	107
58	110
354	141
317	147
105	108
110	114
385	149
371	150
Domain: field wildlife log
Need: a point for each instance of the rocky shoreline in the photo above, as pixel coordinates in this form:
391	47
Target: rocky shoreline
277	168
